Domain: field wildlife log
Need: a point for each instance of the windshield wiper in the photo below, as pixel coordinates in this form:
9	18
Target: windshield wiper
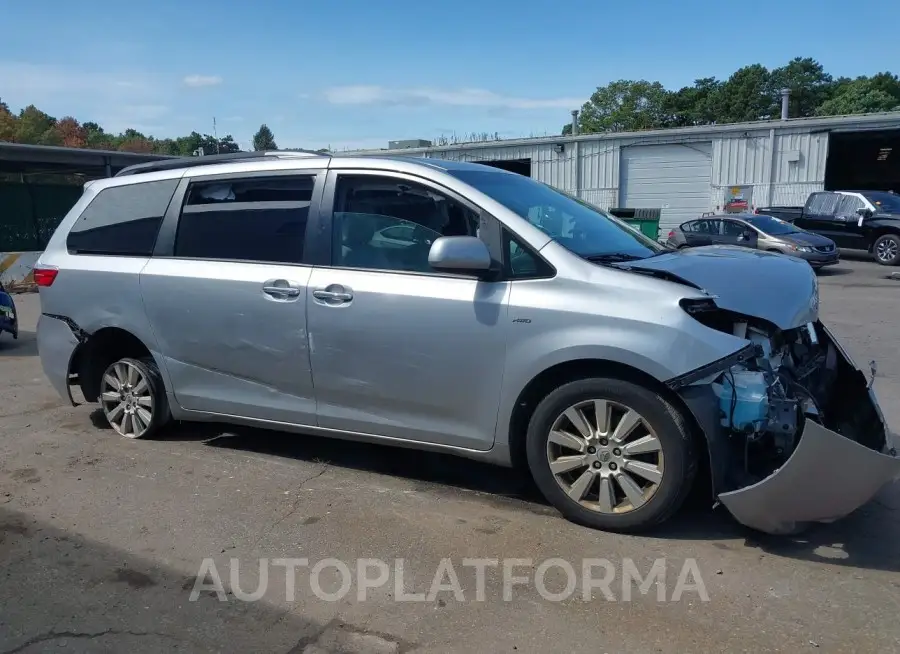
612	257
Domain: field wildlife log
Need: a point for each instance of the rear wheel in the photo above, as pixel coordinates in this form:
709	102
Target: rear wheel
887	250
133	398
610	454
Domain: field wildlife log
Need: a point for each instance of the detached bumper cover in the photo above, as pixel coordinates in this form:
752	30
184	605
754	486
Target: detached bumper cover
827	477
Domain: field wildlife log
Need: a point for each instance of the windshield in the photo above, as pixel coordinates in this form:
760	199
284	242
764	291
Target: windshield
771	225
885	201
576	225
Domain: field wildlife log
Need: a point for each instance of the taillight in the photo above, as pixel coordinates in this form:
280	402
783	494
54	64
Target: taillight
45	276
671	234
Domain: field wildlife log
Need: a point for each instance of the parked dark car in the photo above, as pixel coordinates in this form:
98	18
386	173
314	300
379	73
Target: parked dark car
857	220
759	232
9	318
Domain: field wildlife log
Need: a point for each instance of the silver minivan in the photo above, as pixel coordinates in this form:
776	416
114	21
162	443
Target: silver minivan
464	309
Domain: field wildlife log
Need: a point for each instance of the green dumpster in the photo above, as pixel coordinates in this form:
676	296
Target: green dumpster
645	220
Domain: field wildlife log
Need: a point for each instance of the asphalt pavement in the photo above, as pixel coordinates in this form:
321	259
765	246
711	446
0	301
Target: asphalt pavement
102	540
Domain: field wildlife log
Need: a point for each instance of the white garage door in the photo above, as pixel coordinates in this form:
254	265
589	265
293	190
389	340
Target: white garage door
674	178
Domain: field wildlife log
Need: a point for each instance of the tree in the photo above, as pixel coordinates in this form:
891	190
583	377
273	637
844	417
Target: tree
624	106
264	139
71	133
808	82
7	123
860	96
693	105
746	96
35	127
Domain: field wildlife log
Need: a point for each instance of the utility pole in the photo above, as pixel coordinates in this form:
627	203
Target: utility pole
216	135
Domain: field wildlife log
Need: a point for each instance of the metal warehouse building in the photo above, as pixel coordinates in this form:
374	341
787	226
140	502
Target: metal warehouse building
686	172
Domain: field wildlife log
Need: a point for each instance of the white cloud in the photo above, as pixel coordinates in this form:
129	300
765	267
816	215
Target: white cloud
380	95
199	81
116	100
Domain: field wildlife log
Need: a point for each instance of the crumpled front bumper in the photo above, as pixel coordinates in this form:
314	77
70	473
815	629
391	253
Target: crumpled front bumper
827	477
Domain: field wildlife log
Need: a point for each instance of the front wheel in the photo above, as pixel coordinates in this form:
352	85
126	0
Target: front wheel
610	454
887	250
133	398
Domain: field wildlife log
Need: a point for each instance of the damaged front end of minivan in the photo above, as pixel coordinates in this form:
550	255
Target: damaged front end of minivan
794	430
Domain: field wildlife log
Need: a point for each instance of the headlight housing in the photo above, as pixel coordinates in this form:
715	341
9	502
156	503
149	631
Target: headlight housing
801	248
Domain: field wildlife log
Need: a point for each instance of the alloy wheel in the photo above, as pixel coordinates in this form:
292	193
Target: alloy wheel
126	399
605	456
886	250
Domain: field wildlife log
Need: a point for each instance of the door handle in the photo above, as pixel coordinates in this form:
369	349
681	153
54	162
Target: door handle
281	289
333	296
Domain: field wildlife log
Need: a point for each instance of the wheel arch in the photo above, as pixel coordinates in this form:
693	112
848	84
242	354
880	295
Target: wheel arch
97	351
584	368
882	231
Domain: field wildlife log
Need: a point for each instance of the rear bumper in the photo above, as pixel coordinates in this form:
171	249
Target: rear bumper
56	345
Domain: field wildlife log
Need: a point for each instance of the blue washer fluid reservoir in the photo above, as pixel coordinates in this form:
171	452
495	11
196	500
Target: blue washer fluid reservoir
749	397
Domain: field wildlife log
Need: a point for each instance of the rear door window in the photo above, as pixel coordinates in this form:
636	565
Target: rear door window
122	220
822	204
257	219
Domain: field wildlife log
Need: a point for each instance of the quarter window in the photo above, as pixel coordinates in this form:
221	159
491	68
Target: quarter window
122	220
390	224
258	219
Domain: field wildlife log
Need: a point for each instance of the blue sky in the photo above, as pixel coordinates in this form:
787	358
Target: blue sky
357	73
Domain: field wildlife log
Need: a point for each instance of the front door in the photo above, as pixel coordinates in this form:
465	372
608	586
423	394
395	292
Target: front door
228	302
737	233
399	350
848	229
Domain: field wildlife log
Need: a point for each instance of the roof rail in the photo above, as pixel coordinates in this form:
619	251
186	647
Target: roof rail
211	159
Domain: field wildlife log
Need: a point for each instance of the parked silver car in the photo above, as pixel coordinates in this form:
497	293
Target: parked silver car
503	321
758	232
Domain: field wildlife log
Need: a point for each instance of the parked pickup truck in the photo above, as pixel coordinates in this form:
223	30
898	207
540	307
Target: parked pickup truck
857	220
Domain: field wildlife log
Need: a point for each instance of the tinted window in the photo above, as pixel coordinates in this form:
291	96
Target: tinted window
122	220
389	224
702	227
576	225
733	228
259	219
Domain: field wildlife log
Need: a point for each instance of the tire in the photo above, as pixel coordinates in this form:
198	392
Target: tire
678	460
127	412
887	249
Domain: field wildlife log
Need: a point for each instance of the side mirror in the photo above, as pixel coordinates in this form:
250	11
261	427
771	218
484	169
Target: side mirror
464	255
863	212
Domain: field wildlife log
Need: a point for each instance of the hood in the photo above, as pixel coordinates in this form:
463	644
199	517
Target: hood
805	238
774	287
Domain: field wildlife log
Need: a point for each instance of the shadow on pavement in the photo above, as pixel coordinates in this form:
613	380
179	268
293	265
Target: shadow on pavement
865	539
62	591
833	271
24	346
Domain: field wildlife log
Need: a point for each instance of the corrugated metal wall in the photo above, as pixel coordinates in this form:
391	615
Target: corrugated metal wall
783	163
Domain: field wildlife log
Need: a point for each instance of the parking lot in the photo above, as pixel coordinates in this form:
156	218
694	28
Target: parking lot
101	538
